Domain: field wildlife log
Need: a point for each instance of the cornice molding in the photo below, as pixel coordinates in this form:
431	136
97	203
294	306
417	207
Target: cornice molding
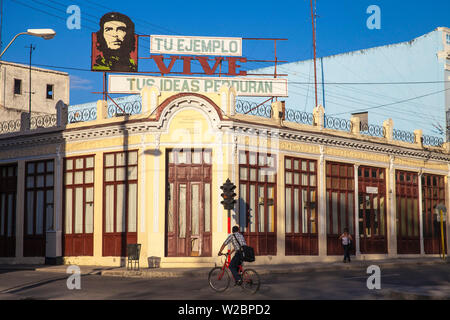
228	126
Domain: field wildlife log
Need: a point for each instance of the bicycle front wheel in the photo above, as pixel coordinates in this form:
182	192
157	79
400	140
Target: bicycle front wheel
250	280
218	279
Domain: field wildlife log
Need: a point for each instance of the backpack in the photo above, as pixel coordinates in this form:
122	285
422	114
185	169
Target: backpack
248	254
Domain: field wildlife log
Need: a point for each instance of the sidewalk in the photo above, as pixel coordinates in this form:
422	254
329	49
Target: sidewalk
261	269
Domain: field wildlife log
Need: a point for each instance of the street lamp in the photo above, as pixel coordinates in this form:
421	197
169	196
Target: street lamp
46	34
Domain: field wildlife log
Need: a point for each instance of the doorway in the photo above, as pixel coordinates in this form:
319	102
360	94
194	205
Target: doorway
407	193
372	209
8	190
188	203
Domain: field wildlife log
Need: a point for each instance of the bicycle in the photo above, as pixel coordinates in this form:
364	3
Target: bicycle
219	277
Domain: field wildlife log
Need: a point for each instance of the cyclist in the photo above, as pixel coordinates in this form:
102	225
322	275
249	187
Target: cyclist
238	240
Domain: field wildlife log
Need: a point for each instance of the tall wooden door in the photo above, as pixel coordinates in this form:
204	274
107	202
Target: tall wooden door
301	206
8	191
78	237
407	192
188	203
372	210
433	193
258	201
340	201
38	206
120	188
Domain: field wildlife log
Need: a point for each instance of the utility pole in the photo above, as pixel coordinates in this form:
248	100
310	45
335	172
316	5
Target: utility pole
31	47
323	83
1	23
313	16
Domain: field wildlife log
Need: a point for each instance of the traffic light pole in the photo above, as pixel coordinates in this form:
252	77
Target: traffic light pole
229	231
228	203
442	234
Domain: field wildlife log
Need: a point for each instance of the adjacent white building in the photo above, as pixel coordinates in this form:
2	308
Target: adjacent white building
47	88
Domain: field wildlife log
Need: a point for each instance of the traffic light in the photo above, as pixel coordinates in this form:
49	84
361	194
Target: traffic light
228	195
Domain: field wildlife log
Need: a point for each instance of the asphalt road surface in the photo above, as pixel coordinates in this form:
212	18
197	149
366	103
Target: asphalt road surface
406	282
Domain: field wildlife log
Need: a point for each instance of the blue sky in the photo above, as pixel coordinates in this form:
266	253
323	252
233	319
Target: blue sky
341	27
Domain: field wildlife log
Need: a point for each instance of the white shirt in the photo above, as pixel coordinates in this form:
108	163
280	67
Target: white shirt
345	240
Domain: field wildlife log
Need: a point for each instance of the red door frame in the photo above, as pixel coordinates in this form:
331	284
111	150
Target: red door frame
188	174
433	193
264	243
8	188
115	243
300	243
77	244
407	188
341	183
372	177
34	244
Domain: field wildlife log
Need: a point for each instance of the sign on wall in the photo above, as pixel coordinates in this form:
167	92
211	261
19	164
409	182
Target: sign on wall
210	46
373	190
115	45
131	84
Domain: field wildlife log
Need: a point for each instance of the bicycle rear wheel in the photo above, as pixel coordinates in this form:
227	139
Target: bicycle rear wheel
250	280
218	279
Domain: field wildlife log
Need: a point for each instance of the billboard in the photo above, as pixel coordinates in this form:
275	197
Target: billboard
131	84
115	44
211	46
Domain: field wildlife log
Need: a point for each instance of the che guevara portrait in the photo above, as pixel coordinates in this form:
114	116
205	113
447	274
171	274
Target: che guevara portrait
115	45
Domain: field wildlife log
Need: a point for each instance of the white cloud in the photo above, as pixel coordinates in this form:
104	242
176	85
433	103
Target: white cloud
80	83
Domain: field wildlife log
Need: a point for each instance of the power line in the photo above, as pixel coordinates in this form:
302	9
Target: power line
397	102
374	83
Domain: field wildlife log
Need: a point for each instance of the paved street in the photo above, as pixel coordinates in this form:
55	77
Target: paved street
405	282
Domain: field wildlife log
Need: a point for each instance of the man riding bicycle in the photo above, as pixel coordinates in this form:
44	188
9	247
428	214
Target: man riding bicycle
238	240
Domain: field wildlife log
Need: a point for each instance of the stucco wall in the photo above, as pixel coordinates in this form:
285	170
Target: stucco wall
410	61
11	104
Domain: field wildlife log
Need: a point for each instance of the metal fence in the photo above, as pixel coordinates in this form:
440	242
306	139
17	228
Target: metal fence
372	130
432	141
252	108
405	136
86	114
44	121
10	126
37	122
129	108
338	124
299	116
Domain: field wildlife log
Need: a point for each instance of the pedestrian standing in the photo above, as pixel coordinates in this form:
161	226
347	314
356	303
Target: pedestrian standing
346	243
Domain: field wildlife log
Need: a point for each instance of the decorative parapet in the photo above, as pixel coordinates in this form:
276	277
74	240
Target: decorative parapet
24	123
102	109
299	117
373	130
338	124
150	99
418	136
356	124
61	114
433	141
404	136
254	109
388	126
228	100
446	146
319	116
278	111
43	121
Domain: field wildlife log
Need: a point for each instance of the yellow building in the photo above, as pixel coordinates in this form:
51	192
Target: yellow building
78	193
